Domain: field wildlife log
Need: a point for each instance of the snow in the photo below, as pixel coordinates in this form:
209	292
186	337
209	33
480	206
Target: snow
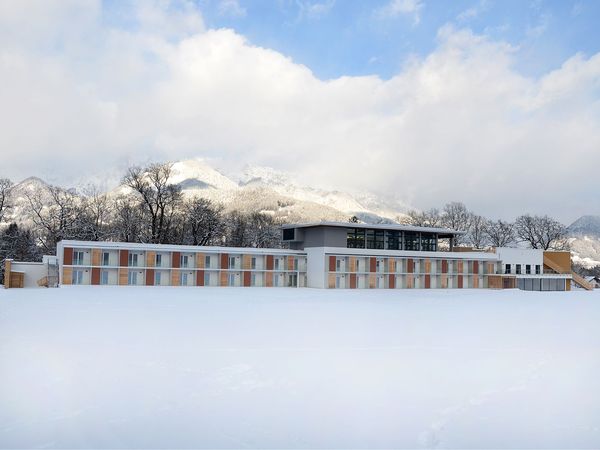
298	368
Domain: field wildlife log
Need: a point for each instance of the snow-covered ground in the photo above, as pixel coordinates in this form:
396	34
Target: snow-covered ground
286	368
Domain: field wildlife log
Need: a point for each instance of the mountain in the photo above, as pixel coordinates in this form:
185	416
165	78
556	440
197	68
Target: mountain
274	192
584	238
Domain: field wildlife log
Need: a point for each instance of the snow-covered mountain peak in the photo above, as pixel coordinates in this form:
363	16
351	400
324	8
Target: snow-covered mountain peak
264	175
196	174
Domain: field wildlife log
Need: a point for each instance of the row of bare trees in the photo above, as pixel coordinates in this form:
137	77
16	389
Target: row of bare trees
540	232
150	209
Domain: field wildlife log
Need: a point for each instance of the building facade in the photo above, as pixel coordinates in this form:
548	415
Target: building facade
325	255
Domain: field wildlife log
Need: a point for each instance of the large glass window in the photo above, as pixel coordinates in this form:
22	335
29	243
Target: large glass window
105	258
184	261
77	277
133	260
104	277
132	278
428	243
375	239
158	260
355	238
77	258
393	240
411	241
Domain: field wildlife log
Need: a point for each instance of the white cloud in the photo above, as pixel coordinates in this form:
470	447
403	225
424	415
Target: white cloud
458	124
231	8
314	10
473	12
395	8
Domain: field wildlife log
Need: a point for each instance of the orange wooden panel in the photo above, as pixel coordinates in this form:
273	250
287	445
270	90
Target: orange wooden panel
352	265
475	281
123	258
352	281
67	275
372	281
176	262
200	261
95	275
372	264
246	278
392	281
460	281
247	262
200	278
410	265
123	277
269	276
68	256
475	267
332	264
444	266
175	275
444	281
270	265
460	267
290	262
410	282
223	278
149	277
331	281
150	262
427	281
427	265
96	258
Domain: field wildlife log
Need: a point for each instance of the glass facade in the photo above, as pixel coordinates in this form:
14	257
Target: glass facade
391	240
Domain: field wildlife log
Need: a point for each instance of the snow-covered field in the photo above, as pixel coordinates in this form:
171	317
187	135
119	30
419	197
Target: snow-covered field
285	368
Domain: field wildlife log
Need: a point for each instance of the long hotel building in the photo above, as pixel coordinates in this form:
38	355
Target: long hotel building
320	255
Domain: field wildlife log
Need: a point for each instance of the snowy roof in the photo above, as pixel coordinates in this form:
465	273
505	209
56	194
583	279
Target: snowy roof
378	226
176	248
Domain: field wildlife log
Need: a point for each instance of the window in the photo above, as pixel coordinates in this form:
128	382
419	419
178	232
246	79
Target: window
183	279
207	261
276	262
375	239
77	277
104	276
518	269
253	280
276	280
507	268
253	262
158	260
105	259
77	258
528	269
157	278
132	277
231	279
288	234
338	265
411	241
133	260
537	269
355	238
184	261
232	262
428	242
393	240
206	278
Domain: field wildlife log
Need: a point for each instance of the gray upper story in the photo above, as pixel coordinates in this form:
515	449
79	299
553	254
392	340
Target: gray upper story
375	236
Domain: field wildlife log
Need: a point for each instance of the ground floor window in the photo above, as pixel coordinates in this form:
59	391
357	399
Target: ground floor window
104	277
132	278
77	277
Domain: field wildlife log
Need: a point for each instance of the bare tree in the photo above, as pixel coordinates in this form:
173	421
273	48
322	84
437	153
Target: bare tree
477	235
541	232
159	197
430	218
95	214
203	221
5	185
456	216
54	212
127	222
500	233
263	231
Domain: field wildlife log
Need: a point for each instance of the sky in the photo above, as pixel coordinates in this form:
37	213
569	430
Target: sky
493	103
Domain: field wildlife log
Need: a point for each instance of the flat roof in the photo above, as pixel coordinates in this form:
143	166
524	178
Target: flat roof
378	226
176	248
